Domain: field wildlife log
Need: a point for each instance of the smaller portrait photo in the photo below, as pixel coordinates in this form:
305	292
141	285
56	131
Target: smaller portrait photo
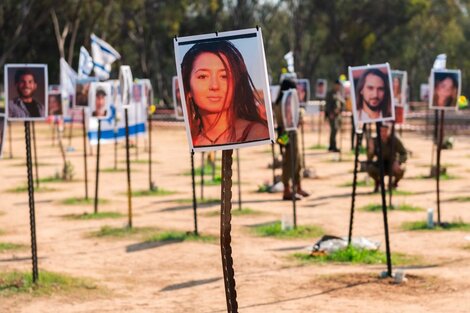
26	91
371	93
445	89
290	109
399	85
3	127
137	93
100	100
177	99
125	83
147	91
224	90
303	90
424	92
55	102
82	90
321	87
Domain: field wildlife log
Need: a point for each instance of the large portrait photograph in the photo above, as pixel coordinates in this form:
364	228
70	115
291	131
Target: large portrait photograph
445	88
225	90
303	90
371	93
26	91
290	106
177	99
100	99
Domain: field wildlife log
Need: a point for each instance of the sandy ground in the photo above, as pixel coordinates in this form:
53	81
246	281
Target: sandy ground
187	276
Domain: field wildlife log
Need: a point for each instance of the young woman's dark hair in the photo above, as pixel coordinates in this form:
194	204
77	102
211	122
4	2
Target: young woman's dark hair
385	105
245	100
438	79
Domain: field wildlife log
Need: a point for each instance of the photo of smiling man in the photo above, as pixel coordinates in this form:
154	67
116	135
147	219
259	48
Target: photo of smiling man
26	91
371	93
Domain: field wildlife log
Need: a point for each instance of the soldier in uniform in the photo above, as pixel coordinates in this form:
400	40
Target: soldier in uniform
333	108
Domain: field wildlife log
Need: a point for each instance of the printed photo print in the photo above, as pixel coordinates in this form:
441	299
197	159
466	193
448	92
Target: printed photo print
225	90
100	99
303	90
290	109
26	91
445	89
177	99
371	93
321	87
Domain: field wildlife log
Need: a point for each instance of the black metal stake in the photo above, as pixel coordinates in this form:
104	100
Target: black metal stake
10	140
438	167
303	144
202	175
390	173
32	217
358	138
71	128
384	202
85	156
239	181
97	166
36	165
274	163
128	168
213	165
292	143
151	184
193	178
225	229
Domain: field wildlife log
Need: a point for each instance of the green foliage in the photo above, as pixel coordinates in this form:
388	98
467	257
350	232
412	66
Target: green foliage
199	201
12	283
7	246
24	188
423	225
94	216
461	199
359	183
180	236
207	171
444	176
235	212
318	147
82	201
275	230
402	207
120	232
155	192
355	255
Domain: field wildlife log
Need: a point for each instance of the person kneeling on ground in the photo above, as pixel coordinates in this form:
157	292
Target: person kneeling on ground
392	164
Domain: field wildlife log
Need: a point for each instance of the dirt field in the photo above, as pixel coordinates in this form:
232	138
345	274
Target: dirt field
187	276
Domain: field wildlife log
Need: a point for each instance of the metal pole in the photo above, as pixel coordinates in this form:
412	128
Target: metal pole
151	184
384	202
438	167
358	138
10	140
390	174
71	128
202	175
303	144
128	168
239	181
97	166
274	161
193	179
292	144
85	155
32	217
36	165
225	229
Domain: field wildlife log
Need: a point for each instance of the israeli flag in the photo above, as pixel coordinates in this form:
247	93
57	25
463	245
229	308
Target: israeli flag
440	62
67	78
85	63
103	56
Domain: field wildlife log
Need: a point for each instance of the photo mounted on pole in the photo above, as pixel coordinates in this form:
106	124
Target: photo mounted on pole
445	88
125	82
290	109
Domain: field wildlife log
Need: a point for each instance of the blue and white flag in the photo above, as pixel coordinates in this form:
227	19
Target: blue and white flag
440	62
85	63
67	77
103	56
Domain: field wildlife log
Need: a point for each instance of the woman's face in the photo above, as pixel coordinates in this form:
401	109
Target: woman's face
396	87
210	83
444	90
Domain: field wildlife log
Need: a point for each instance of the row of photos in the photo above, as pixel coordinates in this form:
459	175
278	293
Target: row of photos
28	97
207	66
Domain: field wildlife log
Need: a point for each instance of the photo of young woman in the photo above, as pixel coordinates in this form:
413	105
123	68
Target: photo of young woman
445	89
222	105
